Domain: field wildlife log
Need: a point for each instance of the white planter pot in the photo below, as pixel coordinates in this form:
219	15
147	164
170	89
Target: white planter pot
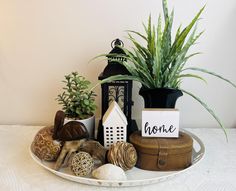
89	124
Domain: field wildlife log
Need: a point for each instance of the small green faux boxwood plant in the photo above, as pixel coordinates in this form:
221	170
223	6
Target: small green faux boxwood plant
162	61
77	99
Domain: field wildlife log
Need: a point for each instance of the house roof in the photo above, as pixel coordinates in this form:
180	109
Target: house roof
114	107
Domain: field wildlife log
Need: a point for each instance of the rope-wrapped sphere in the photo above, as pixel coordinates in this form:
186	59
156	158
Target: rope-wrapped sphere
82	164
122	154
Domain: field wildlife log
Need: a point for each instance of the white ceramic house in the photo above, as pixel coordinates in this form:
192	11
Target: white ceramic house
115	125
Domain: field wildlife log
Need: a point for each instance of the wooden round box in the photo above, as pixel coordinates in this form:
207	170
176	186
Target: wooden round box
163	154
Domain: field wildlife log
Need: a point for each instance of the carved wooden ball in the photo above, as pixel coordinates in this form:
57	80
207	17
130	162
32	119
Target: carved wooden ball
82	164
122	154
43	145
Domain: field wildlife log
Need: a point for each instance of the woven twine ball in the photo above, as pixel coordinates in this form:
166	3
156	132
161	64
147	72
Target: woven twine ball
43	145
122	154
82	164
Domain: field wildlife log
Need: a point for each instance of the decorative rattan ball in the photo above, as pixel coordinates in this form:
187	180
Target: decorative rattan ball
122	154
82	164
44	147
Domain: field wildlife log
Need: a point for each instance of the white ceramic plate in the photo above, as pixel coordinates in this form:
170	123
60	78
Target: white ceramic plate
135	176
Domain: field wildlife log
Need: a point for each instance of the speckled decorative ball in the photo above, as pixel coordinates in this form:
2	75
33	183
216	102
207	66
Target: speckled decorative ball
122	154
82	164
43	145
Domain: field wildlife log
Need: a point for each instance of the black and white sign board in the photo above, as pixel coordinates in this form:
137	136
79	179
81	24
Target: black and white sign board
160	123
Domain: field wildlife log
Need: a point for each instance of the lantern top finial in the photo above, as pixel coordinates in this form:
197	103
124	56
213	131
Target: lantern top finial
117	42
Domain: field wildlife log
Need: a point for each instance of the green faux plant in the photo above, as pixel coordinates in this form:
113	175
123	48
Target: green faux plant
162	61
77	99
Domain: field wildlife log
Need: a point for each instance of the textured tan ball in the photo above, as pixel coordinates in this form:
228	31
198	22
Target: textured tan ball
82	164
122	154
44	147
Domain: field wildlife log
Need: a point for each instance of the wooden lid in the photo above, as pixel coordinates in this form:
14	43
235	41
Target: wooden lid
152	146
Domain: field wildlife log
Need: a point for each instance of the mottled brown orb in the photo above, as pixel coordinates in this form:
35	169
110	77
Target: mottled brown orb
44	147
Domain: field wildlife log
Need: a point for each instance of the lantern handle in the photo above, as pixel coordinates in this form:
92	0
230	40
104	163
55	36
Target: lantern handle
117	42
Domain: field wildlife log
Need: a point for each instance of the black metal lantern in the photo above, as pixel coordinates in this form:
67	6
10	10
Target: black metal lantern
119	91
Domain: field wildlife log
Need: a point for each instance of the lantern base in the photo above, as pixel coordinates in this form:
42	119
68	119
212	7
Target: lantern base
131	127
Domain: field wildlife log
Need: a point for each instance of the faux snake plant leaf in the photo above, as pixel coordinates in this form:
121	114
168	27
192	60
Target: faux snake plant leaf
208	109
211	73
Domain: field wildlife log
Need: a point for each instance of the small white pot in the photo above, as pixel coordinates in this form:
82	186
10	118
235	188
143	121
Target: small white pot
89	123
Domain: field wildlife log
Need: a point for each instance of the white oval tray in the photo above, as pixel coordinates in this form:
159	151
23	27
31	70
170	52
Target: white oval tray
136	177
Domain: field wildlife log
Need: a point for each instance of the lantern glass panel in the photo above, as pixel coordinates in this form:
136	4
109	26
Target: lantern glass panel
119	91
116	93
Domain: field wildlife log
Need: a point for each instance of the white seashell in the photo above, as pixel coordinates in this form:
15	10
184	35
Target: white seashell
109	172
